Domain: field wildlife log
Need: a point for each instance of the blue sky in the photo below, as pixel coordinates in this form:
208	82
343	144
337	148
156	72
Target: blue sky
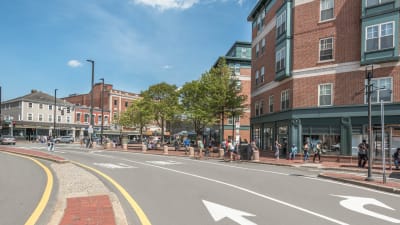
134	43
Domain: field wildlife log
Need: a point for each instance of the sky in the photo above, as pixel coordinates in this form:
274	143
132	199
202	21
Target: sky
44	44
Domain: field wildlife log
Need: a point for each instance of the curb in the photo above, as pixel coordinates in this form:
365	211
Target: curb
364	184
49	158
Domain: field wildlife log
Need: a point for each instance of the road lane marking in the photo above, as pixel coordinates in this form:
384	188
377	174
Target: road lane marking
244	190
46	193
219	212
164	163
135	206
114	166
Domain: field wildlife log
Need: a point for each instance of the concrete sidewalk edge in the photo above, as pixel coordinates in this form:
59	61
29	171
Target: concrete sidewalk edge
363	184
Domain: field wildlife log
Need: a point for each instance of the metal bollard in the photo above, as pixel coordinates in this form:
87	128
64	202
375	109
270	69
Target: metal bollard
256	155
165	149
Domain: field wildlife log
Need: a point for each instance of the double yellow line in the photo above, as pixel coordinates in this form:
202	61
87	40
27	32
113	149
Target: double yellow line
139	212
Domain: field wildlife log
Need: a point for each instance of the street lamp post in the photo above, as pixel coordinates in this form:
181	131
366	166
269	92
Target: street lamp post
91	96
102	110
55	112
369	74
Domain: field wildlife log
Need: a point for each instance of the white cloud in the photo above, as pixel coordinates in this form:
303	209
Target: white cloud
167	4
74	63
167	67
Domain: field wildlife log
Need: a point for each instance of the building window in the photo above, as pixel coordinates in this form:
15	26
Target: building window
263	45
78	117
126	104
256	107
40	118
261	107
59	119
327	9
238	85
30	104
379	36
68	119
106	120
86	119
50	107
237	69
30	116
280	59
326	49
50	118
370	3
40	106
257	77
281	24
271	103
381	90
285	100
262	76
231	121
99	119
257	49
325	95
115	102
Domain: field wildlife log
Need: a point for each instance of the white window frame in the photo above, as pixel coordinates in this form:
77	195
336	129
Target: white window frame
320	94
50	118
261	107
29	117
257	49
263	45
237	69
30	105
271	103
379	36
377	88
78	117
280	55
281	23
40	117
323	47
285	103
86	118
327	5
257	77
256	107
68	119
262	74
378	2
50	107
59	119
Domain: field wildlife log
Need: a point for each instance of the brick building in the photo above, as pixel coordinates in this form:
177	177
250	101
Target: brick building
115	102
238	58
310	59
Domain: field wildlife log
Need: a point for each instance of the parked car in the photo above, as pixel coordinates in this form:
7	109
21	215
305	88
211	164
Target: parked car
7	140
64	139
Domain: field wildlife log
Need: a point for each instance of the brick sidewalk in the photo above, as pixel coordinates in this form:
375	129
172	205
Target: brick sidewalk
92	210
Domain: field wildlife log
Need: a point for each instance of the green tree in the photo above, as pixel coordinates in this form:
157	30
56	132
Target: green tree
196	105
138	114
162	99
224	93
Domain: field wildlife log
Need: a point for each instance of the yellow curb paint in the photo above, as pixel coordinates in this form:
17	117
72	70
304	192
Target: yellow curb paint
46	193
139	212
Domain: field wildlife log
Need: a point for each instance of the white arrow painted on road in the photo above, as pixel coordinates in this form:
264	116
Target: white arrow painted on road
218	212
357	204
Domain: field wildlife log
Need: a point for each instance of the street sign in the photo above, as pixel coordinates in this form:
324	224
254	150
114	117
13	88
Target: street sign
357	204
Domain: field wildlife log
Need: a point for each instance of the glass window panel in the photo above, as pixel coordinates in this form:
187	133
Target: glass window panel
372	44
372	2
387	42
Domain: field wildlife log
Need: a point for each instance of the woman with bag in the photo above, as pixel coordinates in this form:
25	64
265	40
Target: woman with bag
277	147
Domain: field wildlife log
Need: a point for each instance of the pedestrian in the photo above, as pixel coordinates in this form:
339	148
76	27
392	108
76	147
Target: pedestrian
317	152
186	144
254	149
305	151
362	153
200	145
176	145
396	158
293	152
50	145
277	147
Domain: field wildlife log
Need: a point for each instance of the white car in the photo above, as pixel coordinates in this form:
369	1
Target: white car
8	140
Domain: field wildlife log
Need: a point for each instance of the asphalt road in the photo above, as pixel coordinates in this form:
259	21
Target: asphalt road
180	191
23	185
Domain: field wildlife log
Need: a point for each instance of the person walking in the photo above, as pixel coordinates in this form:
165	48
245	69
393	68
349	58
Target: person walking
305	151
293	152
362	153
317	152
396	158
186	144
200	145
277	148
